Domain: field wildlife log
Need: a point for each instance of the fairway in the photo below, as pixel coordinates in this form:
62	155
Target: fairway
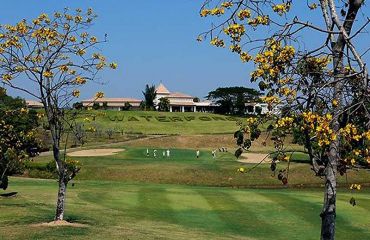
133	166
118	120
113	210
130	195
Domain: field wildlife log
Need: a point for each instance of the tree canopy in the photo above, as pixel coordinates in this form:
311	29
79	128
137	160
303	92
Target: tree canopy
57	56
150	94
323	84
232	100
164	104
18	136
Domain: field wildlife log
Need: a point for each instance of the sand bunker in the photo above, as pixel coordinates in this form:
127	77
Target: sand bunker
60	224
254	158
95	152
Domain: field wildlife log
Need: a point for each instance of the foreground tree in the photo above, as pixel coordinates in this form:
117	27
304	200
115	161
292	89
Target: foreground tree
17	134
149	95
324	86
49	58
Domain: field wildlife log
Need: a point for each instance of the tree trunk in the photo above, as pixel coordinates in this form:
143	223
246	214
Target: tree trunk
59	214
62	186
329	209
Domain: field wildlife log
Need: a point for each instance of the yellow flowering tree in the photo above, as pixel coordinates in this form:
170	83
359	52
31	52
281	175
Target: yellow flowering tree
322	85
18	140
56	56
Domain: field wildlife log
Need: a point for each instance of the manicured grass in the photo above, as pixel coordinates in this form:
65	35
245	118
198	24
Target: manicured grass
117	210
146	122
184	168
300	157
209	142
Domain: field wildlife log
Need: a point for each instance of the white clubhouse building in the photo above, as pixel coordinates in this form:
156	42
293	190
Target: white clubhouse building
113	103
180	102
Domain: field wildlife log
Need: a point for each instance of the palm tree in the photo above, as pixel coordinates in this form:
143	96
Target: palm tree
149	95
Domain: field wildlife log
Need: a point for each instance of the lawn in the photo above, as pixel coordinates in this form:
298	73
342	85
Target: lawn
152	122
133	196
117	210
132	165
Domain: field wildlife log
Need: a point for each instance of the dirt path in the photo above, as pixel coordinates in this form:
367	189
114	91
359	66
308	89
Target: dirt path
254	158
59	224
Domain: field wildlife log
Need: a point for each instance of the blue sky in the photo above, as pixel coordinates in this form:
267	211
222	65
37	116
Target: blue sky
152	41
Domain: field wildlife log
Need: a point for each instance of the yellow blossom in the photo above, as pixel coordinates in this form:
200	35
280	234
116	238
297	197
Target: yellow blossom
48	74
113	65
72	39
93	39
40	115
63	68
241	170
99	95
313	6
205	12
76	93
281	8
356	152
24	110
81	52
217	42
217	11
79	80
263	20
355	187
245	57
243	14
227	4
367	135
78	19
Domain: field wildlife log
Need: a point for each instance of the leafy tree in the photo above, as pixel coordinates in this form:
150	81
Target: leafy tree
17	134
96	106
105	105
79	134
164	104
142	105
55	54
232	100
149	95
127	106
325	85
78	105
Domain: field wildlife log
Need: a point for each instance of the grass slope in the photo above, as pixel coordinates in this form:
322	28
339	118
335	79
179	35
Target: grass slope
116	210
151	122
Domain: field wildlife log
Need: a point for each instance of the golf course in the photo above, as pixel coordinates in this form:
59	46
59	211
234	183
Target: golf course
185	120
125	194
